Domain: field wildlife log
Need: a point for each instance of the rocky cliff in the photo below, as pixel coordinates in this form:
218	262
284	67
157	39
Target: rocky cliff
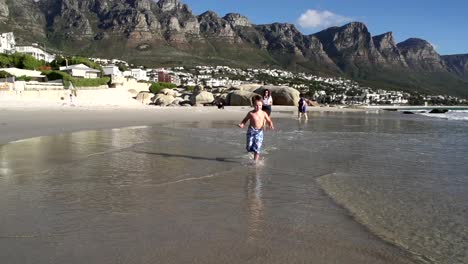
167	32
457	64
420	55
391	55
350	46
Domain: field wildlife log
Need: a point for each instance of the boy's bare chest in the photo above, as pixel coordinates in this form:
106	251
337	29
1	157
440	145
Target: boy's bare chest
257	117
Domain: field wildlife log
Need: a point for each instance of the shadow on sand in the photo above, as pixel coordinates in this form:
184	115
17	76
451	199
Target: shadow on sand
170	155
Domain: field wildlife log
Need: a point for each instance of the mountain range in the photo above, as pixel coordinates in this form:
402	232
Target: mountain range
166	32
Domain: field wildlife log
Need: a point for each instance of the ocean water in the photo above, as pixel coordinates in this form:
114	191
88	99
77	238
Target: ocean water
339	188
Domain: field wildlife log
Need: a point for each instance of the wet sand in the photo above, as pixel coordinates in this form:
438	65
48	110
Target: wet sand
158	219
19	120
18	124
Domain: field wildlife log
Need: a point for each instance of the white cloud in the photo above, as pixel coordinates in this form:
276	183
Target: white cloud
314	19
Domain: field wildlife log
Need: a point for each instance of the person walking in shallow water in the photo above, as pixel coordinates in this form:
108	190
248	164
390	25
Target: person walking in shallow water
302	107
257	119
267	101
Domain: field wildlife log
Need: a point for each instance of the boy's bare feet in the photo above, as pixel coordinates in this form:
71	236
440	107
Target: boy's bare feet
256	156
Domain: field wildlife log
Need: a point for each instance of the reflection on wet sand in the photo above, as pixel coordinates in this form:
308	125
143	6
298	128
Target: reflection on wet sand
255	206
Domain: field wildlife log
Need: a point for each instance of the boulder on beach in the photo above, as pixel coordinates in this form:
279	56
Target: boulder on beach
145	97
198	88
163	100
168	91
249	87
240	98
221	98
202	97
282	95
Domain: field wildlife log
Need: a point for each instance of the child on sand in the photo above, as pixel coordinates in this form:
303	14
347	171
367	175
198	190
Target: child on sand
257	119
302	107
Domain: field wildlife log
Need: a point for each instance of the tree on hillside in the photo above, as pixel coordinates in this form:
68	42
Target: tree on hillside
5	61
30	63
22	61
122	67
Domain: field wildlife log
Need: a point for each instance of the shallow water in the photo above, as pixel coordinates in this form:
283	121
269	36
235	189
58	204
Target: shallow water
340	188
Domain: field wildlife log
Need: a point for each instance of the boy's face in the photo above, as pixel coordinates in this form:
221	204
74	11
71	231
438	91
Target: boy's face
258	105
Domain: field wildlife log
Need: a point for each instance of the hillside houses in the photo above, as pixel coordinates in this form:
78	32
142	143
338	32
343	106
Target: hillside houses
336	90
7	43
8	46
111	70
81	71
36	51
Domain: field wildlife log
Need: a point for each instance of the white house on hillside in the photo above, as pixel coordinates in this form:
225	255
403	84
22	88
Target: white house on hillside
7	43
139	74
36	51
111	70
81	70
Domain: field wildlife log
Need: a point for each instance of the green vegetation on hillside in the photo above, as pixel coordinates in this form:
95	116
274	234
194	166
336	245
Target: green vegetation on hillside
21	61
158	86
415	82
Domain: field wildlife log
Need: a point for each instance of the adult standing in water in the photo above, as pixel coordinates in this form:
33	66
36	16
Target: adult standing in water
267	101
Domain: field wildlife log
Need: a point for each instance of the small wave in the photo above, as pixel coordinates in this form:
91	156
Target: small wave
129	128
188	179
451	115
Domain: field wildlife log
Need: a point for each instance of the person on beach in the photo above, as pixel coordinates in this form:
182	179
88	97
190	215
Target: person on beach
257	118
302	107
72	101
267	101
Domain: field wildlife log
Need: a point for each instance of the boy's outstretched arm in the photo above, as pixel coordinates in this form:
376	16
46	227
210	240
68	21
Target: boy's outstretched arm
242	123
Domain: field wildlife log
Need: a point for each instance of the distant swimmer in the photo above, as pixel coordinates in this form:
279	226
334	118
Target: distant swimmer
257	119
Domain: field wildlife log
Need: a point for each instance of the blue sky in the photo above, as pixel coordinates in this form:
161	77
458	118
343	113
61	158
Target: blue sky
442	23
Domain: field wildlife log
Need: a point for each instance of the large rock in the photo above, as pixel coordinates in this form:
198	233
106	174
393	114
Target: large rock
180	101
250	87
163	100
168	91
240	98
282	95
144	97
198	88
237	20
202	97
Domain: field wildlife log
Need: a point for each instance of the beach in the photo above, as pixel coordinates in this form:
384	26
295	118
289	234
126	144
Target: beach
22	119
146	184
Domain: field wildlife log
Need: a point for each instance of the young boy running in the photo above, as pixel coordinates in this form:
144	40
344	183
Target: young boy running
257	119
